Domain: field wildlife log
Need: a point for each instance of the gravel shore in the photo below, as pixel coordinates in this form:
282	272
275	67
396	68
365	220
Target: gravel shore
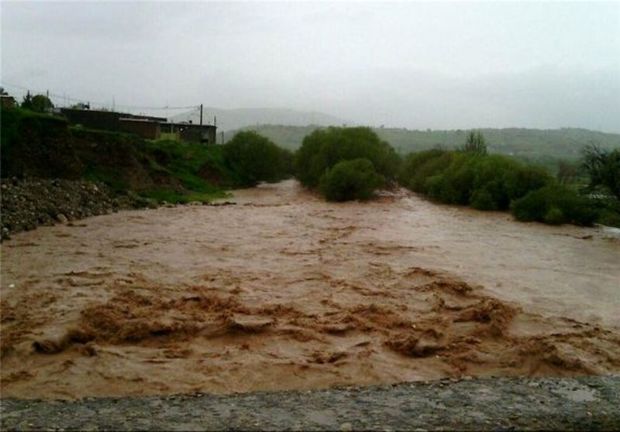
586	403
32	202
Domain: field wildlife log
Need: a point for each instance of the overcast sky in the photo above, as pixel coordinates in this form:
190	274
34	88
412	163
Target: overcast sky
418	65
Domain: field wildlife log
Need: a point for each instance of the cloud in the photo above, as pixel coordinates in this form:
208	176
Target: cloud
438	65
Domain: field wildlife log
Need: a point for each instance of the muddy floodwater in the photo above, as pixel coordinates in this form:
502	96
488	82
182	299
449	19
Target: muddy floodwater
285	291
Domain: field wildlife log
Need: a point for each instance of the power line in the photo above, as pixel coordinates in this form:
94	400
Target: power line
103	104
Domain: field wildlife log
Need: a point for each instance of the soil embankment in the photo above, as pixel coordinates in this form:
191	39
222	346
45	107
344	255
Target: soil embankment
284	291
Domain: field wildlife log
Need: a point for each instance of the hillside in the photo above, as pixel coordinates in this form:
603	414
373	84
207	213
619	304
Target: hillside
231	119
539	145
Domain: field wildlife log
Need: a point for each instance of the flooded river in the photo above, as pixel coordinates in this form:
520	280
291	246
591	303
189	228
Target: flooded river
285	291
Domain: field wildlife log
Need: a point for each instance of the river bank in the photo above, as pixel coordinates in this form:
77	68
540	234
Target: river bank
588	403
32	202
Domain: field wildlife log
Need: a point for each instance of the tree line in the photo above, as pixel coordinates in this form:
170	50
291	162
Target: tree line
345	164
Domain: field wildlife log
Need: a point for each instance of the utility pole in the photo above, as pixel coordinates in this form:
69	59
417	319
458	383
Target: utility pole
222	137
200	114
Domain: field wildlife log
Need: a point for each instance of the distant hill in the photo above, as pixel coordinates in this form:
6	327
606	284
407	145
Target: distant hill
230	119
539	145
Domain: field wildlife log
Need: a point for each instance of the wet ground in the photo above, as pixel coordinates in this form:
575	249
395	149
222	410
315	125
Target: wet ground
284	291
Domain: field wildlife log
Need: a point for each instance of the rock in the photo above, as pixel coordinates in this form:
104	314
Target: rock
346	427
62	218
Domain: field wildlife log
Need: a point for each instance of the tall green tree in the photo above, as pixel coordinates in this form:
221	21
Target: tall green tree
255	158
475	143
324	148
603	168
37	103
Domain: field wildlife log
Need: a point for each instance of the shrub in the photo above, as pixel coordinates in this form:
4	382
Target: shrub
555	204
350	180
324	148
603	168
482	199
255	158
486	182
554	216
506	179
419	167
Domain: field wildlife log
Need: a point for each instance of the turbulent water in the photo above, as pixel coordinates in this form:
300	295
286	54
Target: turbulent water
285	291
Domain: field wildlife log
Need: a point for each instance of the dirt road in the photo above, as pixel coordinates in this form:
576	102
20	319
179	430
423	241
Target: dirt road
283	291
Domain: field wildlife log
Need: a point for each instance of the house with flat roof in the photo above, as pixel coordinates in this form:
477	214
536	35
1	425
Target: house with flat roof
147	127
189	132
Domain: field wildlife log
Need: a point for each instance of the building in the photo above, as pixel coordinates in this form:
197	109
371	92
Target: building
189	132
147	127
7	101
100	119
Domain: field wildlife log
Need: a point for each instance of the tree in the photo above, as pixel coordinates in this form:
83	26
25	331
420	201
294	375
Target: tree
255	158
38	103
603	168
475	143
350	180
324	148
567	172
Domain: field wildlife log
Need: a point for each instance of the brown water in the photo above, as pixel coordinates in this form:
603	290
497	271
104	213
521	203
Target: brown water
284	291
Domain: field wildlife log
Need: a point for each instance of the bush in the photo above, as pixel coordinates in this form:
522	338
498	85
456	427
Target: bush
554	216
324	148
603	168
419	167
494	182
486	182
255	158
482	199
555	204
350	180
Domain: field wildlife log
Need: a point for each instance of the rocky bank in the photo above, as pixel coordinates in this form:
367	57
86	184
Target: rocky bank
32	202
496	404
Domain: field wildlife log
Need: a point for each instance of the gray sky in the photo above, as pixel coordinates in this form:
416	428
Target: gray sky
418	65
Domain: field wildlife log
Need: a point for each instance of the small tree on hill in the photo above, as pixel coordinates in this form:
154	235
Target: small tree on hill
475	143
603	168
37	103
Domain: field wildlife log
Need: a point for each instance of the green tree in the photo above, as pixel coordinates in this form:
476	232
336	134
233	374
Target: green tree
475	143
603	168
324	148
567	172
350	180
37	103
255	158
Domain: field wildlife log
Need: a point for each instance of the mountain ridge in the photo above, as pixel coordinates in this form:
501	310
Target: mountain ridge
238	118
